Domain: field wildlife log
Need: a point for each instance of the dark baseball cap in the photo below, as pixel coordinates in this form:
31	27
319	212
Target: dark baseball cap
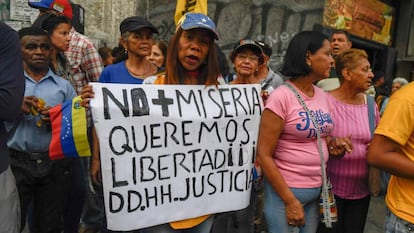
136	23
265	47
247	43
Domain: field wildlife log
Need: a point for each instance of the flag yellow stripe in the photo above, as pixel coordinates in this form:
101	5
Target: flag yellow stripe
79	128
184	6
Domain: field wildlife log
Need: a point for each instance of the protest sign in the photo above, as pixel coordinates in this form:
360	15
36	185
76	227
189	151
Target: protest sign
173	152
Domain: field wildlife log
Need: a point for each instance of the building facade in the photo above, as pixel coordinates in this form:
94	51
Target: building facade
274	21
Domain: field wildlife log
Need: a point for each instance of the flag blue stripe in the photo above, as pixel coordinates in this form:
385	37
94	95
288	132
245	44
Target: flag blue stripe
66	134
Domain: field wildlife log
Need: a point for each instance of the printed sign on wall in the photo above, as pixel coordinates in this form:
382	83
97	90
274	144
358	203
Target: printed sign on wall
369	19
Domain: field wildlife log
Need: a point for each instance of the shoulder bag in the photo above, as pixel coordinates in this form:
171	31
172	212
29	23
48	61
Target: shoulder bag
327	203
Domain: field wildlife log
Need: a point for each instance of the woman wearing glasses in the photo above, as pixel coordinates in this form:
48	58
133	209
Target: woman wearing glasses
246	57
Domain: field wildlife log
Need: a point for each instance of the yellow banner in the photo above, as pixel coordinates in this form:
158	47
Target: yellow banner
184	6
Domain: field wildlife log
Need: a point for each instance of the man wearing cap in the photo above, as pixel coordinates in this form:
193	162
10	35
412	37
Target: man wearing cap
11	98
86	66
271	79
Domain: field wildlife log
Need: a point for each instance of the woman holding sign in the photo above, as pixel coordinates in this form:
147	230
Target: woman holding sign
136	39
191	59
287	148
132	68
191	55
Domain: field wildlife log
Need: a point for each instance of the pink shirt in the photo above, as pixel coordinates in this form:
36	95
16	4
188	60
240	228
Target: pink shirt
349	174
296	153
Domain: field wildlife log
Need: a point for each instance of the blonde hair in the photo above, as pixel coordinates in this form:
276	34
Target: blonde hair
348	59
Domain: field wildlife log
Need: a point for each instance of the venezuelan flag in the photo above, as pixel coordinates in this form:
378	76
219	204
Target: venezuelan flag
184	6
69	133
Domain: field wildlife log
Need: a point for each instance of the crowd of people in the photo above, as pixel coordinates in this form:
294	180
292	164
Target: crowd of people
320	110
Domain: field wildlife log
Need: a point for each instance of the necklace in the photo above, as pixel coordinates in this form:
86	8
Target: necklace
146	71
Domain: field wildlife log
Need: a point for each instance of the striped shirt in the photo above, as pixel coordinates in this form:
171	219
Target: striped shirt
349	174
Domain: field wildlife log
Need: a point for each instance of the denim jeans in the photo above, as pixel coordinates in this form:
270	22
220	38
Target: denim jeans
275	214
394	224
203	227
385	179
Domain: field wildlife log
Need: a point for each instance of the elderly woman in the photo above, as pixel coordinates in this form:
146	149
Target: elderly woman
397	83
132	67
246	57
134	46
349	111
136	39
288	150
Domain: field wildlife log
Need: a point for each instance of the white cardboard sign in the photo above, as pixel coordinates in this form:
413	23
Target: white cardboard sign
173	152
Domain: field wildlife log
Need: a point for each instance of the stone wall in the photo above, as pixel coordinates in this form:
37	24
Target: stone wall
270	20
274	21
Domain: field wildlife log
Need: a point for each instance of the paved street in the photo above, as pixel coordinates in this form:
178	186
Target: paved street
376	215
375	219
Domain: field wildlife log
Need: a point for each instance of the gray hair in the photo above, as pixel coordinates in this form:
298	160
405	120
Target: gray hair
125	36
400	80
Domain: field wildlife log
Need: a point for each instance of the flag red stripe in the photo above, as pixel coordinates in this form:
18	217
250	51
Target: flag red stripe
55	148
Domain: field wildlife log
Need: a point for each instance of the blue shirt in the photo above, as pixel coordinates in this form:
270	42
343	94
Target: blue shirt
26	136
118	73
